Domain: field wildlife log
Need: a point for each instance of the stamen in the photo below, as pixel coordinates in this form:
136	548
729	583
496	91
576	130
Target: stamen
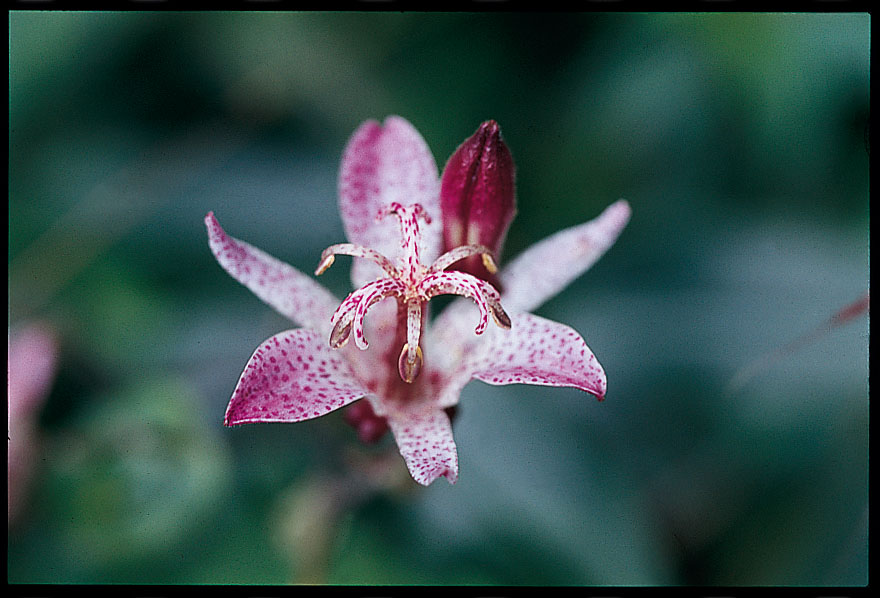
409	364
349	316
493	298
489	263
413	321
328	257
377	290
326	262
416	209
413	328
412	284
460	283
410	237
459	253
498	314
340	334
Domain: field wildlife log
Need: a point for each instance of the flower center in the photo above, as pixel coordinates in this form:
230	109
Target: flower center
413	285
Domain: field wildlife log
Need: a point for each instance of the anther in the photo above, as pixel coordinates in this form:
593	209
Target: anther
326	263
341	333
409	365
499	315
489	263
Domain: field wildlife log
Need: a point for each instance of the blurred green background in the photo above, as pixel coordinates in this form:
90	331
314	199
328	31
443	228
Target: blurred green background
740	141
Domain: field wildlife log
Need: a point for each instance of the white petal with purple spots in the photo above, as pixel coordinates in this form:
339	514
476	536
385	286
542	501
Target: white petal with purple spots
291	377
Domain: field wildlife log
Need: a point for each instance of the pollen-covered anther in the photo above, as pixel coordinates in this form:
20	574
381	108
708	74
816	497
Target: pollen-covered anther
326	262
464	251
341	333
489	263
409	364
328	256
500	316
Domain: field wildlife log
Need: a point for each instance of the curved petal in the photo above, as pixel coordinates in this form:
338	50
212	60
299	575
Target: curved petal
291	377
547	267
384	164
292	293
533	351
425	441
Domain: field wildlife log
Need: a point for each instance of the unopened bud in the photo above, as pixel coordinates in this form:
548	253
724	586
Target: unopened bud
477	196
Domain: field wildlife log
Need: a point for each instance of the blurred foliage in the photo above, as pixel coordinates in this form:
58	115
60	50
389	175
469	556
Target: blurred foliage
740	141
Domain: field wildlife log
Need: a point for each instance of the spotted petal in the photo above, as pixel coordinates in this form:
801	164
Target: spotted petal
425	441
292	293
292	377
548	266
533	351
382	165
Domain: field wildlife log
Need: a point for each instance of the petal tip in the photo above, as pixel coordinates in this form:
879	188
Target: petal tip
597	390
623	208
215	231
396	121
229	421
426	478
491	126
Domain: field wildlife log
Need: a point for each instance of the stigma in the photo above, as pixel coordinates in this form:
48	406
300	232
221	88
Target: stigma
412	284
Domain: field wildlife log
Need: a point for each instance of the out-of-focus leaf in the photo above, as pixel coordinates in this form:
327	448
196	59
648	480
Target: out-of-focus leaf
135	476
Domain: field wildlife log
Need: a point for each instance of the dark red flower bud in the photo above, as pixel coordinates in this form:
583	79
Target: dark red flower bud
477	196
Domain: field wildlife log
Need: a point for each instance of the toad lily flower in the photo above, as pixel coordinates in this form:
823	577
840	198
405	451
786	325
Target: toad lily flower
411	373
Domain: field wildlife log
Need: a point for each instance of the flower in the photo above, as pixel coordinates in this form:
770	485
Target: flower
409	371
32	361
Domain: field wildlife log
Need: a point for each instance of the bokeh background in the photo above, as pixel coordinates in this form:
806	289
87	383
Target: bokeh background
741	142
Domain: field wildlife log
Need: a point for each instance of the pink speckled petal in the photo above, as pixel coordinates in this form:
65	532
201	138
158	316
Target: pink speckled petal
548	266
383	164
533	351
32	359
426	444
292	293
291	377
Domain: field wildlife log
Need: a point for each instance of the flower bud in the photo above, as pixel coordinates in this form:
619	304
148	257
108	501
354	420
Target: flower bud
477	196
